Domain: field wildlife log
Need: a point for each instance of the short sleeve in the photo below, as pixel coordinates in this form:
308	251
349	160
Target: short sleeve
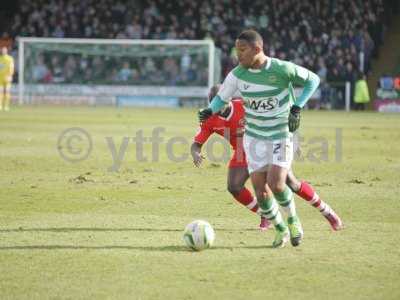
297	74
203	133
228	88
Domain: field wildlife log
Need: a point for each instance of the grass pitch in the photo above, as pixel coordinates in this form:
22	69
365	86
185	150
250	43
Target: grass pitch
75	230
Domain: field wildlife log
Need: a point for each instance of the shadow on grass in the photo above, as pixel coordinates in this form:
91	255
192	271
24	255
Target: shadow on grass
116	247
96	229
120	247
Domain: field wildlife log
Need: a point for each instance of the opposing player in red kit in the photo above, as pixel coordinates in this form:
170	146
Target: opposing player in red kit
229	123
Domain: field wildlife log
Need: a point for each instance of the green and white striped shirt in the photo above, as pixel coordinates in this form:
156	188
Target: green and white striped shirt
268	95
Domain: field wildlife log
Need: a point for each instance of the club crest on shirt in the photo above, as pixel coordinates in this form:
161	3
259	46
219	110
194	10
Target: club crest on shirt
272	78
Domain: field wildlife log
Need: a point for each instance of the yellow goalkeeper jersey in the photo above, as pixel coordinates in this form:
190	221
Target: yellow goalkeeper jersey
6	66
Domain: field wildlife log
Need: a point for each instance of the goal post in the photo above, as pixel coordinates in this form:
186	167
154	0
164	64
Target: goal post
116	71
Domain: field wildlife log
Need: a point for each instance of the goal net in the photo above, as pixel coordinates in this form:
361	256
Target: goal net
116	72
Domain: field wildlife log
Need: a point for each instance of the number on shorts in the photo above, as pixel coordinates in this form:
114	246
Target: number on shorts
276	148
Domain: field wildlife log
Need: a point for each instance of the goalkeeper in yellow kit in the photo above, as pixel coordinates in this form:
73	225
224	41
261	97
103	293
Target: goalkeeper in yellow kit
6	74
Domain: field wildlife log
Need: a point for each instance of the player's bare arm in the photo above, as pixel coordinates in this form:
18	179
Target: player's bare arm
195	151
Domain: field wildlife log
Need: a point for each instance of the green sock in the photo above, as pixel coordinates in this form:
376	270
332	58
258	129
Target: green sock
270	210
286	201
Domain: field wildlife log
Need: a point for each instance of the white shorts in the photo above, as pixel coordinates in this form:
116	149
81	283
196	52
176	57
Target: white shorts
262	153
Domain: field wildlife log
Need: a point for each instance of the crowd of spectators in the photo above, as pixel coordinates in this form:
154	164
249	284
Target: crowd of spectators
326	36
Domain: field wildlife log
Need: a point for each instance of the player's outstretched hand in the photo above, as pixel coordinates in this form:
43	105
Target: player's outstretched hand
197	159
294	118
204	114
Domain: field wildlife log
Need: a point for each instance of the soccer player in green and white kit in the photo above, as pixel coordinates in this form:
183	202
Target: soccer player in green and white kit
272	113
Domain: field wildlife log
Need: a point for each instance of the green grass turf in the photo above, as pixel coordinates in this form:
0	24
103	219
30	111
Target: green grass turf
118	235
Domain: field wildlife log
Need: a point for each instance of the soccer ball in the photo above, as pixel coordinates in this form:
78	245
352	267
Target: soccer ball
199	235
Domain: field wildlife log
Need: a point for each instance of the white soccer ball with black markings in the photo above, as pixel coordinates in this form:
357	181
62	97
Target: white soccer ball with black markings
199	235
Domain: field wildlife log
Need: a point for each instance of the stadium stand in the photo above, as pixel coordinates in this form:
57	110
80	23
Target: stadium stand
326	36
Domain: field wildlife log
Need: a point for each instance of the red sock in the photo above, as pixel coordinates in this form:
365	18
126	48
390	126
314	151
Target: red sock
306	191
246	198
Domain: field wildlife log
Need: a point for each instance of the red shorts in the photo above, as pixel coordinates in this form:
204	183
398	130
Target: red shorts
238	159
